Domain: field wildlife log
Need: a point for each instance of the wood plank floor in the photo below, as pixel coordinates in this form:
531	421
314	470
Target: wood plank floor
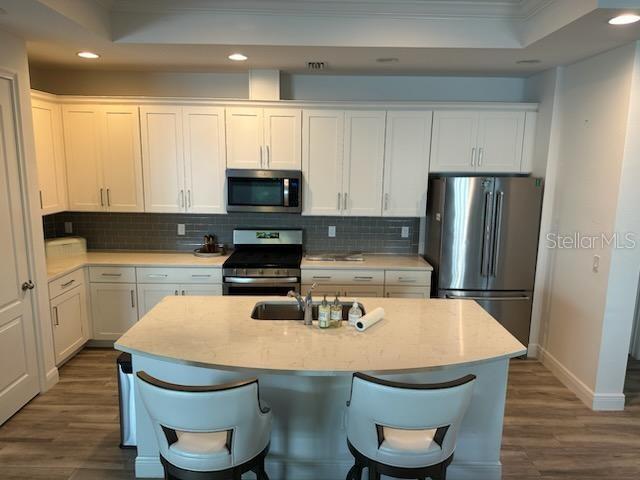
72	432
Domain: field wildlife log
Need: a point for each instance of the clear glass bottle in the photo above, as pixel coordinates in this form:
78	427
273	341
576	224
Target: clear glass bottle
355	313
324	314
336	313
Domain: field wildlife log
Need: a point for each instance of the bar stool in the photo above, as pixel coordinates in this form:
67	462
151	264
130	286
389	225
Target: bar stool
404	430
215	432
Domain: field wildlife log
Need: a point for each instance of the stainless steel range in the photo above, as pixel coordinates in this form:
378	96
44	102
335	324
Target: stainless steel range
264	262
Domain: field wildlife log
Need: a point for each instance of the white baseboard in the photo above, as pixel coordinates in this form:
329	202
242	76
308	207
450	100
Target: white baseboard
51	378
595	401
149	467
533	350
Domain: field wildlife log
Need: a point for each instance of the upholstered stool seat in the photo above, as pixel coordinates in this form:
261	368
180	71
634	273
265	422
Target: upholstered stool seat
212	432
404	430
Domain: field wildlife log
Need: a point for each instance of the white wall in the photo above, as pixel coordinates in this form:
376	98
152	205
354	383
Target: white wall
402	87
13	57
591	132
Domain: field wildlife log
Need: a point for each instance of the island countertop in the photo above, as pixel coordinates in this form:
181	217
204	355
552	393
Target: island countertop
415	335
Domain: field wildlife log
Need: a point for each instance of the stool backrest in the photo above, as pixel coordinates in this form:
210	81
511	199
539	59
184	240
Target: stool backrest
231	407
376	403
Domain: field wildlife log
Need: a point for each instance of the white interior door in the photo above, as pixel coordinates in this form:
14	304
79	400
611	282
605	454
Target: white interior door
406	164
49	141
18	368
322	157
500	137
363	163
67	315
205	159
283	138
82	150
163	158
245	138
454	141
122	158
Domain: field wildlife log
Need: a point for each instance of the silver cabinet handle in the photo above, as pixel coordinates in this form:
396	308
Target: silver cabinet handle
386	201
65	285
261	159
181	198
365	279
322	277
345	200
200	275
108	197
189	197
157	275
502	299
40	193
268	156
473	157
133	299
339	202
55	312
111	274
480	155
406	280
101	198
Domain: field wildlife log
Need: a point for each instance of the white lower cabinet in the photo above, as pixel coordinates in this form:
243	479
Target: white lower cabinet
114	309
406	292
150	294
68	314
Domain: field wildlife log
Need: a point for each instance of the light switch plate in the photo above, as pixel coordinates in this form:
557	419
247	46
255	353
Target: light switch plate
332	231
68	227
181	229
405	232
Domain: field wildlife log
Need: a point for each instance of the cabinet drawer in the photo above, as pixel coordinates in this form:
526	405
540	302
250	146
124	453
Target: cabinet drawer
407	277
179	275
406	292
66	283
343	277
112	274
345	292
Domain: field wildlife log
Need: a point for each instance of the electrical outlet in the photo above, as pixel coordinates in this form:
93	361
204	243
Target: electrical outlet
405	232
181	229
68	227
332	231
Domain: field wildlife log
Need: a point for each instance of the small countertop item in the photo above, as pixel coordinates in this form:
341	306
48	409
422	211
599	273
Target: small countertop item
417	334
370	319
371	261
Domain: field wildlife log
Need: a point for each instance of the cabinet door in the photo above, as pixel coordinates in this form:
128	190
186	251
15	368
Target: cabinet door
82	148
283	138
114	309
68	317
206	290
358	291
49	142
245	138
322	157
121	158
363	163
500	137
406	164
162	159
205	159
150	294
406	292
454	141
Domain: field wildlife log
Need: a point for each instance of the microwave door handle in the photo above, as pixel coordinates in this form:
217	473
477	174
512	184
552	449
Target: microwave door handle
285	191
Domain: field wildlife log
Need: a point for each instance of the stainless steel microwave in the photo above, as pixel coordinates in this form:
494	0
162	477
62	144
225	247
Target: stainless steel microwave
264	191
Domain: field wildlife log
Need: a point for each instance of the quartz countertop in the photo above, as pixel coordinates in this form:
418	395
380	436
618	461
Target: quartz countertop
416	334
63	265
373	262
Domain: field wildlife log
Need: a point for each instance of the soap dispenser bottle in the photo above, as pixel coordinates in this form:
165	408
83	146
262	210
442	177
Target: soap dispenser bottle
355	313
336	313
324	314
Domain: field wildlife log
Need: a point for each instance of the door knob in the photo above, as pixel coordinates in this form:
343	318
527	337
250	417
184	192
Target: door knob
28	286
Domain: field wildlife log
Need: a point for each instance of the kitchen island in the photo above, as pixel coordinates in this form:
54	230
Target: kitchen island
305	372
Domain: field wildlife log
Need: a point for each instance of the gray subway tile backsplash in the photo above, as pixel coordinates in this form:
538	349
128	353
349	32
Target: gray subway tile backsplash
158	231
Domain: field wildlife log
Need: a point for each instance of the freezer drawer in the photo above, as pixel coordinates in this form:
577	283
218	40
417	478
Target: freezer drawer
511	309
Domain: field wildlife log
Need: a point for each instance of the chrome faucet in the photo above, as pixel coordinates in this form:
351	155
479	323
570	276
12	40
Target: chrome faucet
304	304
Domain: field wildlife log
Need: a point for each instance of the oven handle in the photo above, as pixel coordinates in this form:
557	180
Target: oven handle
270	280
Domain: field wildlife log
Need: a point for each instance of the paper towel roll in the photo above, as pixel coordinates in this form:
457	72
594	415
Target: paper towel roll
369	319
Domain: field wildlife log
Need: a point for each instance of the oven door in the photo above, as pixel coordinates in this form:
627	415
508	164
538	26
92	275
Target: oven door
264	191
260	286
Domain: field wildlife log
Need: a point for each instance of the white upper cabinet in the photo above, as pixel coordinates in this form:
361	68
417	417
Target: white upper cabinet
163	158
104	171
363	163
183	152
406	164
204	159
263	138
322	161
480	141
49	142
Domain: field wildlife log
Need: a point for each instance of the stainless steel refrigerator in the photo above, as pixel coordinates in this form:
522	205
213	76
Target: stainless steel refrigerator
482	239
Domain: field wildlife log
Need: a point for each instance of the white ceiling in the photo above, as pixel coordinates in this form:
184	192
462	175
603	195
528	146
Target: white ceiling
426	36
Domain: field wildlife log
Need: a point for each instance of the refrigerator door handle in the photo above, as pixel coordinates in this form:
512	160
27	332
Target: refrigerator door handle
497	233
486	235
463	297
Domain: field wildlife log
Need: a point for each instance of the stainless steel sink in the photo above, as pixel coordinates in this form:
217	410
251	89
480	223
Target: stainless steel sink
289	311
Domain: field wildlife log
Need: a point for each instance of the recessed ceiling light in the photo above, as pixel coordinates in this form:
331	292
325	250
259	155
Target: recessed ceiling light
88	55
386	60
531	61
624	19
238	57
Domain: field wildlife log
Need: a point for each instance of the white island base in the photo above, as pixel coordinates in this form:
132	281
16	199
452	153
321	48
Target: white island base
308	439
